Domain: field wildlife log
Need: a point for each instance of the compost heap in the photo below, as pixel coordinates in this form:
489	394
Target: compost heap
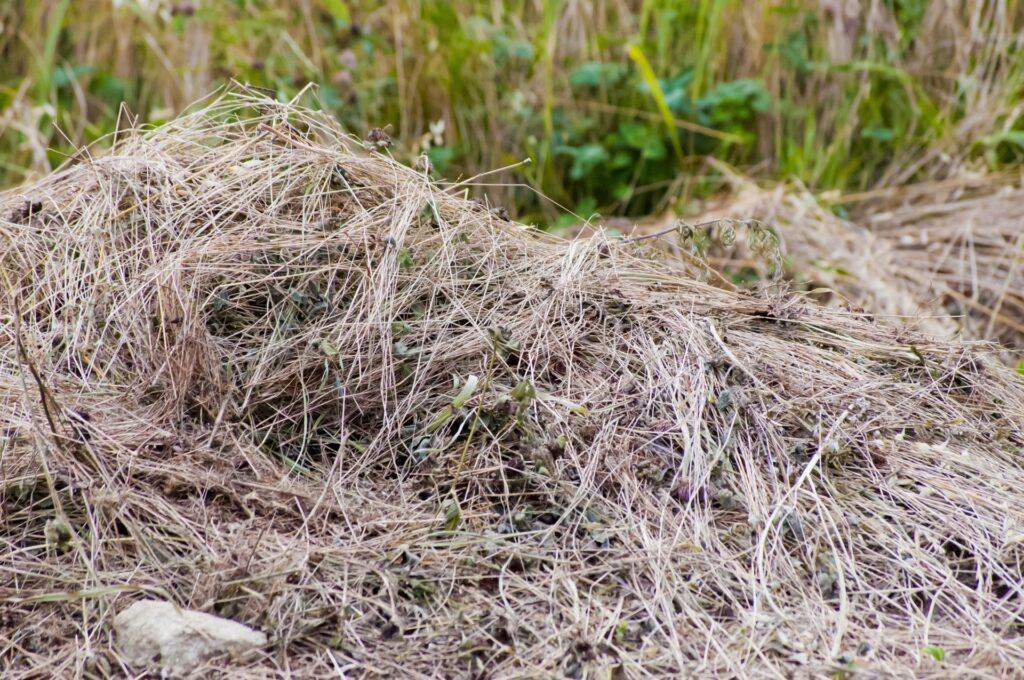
249	365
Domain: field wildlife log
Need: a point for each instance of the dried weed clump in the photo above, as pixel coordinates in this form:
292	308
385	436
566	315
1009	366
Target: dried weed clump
249	366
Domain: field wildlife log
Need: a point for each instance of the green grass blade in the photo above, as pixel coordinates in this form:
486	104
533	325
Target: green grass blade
647	73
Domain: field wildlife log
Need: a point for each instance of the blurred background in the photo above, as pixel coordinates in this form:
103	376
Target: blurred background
624	107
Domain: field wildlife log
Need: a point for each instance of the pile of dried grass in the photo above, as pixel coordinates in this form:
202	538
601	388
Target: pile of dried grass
945	257
963	243
237	367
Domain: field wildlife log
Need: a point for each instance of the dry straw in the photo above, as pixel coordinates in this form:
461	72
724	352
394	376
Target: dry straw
252	367
946	258
963	246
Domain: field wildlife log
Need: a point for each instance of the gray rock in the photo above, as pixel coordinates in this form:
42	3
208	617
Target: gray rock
160	636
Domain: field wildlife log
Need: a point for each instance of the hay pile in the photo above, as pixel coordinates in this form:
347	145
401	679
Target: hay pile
966	245
251	367
946	258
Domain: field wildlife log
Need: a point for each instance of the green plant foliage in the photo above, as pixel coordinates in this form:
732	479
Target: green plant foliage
733	106
783	87
598	74
585	159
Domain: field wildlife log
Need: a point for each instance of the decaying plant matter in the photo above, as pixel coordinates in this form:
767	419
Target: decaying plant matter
251	366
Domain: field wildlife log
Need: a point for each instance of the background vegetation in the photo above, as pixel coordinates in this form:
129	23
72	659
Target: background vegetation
619	104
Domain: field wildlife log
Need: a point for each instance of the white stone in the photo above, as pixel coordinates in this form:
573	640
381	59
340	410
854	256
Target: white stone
159	635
